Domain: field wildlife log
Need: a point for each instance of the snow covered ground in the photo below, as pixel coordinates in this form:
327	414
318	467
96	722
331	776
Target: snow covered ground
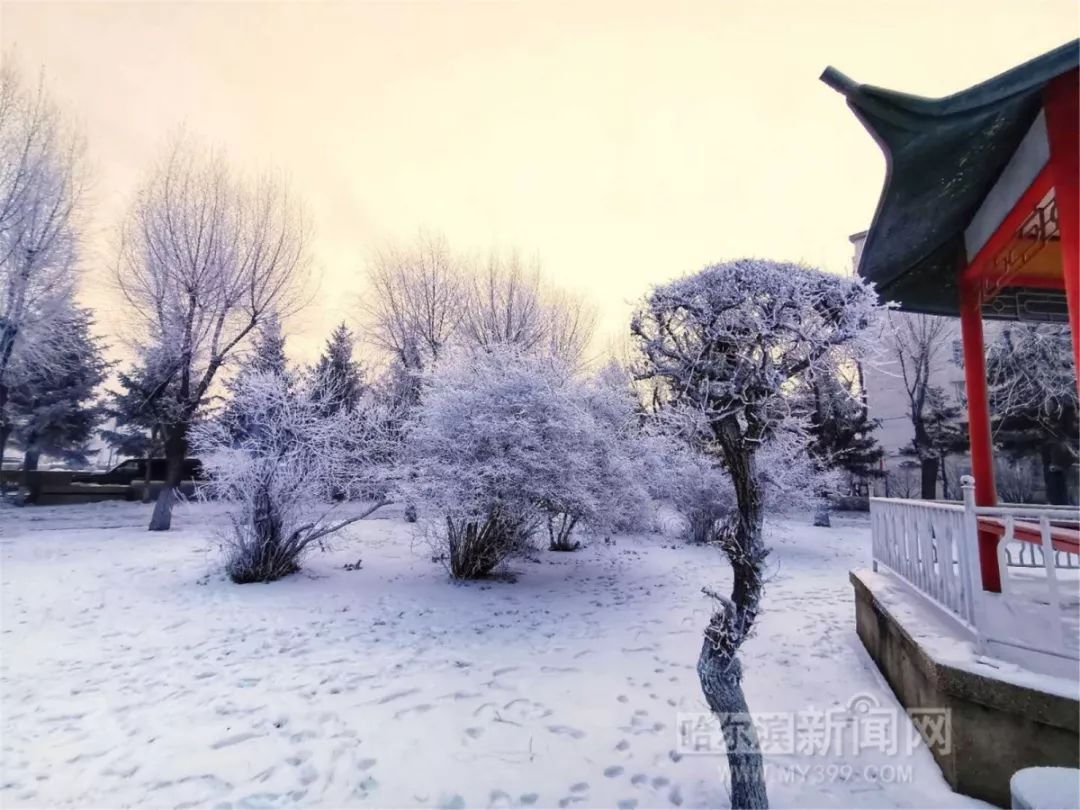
134	674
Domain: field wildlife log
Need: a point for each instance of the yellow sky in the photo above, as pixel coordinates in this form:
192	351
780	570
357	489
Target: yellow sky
621	143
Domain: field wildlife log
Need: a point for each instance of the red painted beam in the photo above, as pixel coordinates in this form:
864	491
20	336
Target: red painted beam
1062	125
983	261
982	454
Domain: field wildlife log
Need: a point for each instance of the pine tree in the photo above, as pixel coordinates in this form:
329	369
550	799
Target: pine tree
944	433
268	349
337	379
53	403
140	413
267	356
840	426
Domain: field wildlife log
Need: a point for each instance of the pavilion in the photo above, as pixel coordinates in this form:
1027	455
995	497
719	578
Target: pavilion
979	218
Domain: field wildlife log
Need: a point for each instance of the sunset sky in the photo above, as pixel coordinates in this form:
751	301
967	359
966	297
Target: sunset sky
620	143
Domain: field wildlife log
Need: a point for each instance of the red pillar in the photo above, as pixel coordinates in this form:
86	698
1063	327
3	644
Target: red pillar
982	456
1062	121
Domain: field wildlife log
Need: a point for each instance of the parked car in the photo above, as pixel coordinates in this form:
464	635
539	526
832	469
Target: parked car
133	471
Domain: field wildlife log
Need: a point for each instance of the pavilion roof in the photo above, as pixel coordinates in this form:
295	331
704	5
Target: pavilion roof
943	156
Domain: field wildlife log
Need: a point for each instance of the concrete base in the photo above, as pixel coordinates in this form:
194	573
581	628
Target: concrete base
1003	718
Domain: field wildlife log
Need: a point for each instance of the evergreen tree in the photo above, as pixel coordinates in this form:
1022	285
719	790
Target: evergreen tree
337	379
268	349
841	429
140	412
53	403
944	433
267	356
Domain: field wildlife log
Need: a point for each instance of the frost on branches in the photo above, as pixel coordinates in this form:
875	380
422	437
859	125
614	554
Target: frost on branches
275	458
506	442
41	187
725	346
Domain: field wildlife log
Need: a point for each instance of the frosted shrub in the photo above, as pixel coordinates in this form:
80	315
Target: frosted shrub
275	458
506	441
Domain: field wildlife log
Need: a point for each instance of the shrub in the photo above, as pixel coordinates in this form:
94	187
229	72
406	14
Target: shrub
276	459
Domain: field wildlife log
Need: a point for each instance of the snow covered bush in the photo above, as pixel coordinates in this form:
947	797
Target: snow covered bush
726	346
506	441
275	457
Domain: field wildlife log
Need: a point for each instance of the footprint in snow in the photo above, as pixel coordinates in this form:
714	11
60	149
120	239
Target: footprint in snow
612	771
569	731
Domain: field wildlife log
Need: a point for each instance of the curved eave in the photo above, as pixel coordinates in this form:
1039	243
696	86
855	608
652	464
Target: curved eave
942	158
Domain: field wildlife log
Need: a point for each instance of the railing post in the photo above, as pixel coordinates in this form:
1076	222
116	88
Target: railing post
969	556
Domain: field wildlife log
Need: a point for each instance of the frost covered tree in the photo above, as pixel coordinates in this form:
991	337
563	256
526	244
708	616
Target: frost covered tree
1033	399
205	257
41	186
54	402
508	302
916	343
507	441
140	410
338	380
414	299
266	356
944	433
274	459
840	427
726	344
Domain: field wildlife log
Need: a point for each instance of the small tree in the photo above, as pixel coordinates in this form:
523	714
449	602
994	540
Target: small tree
276	471
727	343
916	343
338	380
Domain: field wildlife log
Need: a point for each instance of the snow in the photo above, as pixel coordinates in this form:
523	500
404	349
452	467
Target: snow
1045	788
134	673
947	642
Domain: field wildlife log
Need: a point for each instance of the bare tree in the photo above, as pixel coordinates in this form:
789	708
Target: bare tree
504	304
725	346
507	302
205	256
916	343
41	185
415	297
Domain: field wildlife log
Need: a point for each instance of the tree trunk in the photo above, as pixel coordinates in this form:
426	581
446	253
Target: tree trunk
719	669
722	685
5	432
175	452
30	481
929	470
1055	475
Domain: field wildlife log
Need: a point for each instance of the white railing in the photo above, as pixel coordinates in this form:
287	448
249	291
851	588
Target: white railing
934	547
